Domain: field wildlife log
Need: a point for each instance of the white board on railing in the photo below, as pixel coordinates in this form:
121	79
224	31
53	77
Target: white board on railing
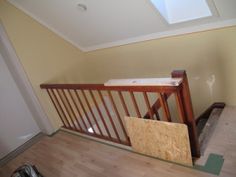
145	82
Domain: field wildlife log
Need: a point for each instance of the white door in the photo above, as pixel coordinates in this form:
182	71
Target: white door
16	121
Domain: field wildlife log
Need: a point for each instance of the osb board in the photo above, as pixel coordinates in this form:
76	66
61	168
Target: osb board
168	141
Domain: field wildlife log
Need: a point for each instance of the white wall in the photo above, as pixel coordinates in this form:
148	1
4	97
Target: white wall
16	121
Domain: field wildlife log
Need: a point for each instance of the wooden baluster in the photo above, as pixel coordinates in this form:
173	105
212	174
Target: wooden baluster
180	107
55	105
188	109
67	110
155	107
63	112
77	108
148	105
90	109
165	107
109	115
135	104
123	103
118	115
100	114
72	110
85	112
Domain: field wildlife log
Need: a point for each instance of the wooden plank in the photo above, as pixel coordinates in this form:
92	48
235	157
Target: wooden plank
144	82
165	140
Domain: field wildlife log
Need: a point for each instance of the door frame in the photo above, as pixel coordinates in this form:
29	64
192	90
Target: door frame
23	83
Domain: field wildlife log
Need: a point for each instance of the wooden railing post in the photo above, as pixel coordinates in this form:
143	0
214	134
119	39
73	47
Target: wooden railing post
188	111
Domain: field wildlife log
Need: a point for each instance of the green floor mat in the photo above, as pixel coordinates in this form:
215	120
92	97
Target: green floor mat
213	165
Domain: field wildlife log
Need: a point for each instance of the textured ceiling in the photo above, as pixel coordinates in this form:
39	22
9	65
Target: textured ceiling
109	23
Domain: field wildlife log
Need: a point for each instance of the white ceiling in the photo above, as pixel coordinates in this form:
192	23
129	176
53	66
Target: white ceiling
108	23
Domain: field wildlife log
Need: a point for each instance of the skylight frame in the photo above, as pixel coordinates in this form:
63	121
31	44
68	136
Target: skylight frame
165	9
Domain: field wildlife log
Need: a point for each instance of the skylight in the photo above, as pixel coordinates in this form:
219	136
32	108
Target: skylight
176	11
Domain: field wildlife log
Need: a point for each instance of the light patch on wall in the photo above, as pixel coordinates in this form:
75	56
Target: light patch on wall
210	82
175	11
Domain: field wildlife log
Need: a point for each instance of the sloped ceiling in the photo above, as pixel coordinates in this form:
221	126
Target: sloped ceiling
108	23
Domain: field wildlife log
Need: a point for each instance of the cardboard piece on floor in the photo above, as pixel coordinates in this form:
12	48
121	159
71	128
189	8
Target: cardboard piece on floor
164	140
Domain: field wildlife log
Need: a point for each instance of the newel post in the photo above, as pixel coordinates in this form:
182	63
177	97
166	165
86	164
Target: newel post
188	111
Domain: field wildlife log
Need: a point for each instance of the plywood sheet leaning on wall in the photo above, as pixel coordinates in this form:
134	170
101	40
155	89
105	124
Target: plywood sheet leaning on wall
164	140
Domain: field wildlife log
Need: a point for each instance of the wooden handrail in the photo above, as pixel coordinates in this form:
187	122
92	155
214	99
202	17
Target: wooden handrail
164	89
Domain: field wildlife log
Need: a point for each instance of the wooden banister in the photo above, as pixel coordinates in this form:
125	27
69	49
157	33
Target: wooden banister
101	115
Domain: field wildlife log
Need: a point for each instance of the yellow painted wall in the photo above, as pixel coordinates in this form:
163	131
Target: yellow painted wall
45	56
204	55
227	55
48	58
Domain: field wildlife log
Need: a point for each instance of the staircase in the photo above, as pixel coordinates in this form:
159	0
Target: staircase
206	124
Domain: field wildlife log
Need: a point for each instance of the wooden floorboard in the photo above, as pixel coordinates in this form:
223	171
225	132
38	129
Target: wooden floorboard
67	155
